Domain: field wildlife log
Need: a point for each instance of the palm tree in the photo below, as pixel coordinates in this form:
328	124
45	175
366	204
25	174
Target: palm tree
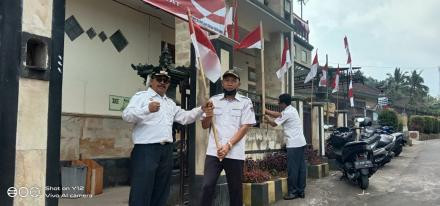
396	84
416	87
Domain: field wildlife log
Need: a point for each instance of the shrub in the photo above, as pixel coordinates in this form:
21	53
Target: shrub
388	118
252	173
428	125
436	126
416	123
312	156
255	176
274	163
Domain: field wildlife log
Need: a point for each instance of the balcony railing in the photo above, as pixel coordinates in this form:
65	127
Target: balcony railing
302	27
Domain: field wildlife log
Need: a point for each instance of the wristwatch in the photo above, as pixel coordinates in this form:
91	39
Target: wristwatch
230	145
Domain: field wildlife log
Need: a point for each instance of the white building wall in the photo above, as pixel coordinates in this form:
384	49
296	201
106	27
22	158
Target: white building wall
93	69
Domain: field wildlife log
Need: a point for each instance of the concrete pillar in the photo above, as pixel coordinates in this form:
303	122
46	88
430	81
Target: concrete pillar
341	118
37	113
298	103
318	127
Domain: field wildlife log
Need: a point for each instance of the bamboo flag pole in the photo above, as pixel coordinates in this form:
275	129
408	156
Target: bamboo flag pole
202	73
326	88
337	94
263	84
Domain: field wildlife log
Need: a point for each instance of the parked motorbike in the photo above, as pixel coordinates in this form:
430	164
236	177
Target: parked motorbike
382	146
400	138
354	158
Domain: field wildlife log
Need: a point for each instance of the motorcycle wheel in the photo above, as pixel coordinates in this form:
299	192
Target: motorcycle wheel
398	150
363	182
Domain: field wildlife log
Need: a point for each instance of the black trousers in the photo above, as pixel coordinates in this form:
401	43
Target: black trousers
296	170
234	173
151	167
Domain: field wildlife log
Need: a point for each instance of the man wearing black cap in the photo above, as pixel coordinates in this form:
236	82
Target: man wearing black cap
233	115
153	114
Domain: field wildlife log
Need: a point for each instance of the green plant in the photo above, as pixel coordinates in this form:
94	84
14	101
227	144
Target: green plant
388	118
428	125
416	123
436	126
252	173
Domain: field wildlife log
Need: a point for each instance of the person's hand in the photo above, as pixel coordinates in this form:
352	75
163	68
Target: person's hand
208	108
266	117
223	151
154	106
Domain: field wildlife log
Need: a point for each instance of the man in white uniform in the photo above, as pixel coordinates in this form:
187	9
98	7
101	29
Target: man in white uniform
234	115
153	114
295	143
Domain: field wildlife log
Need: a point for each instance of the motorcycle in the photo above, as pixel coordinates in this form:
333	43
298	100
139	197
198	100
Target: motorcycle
354	158
382	146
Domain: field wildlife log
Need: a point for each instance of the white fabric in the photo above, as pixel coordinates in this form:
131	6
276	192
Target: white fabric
312	73
336	84
280	73
228	21
155	127
229	116
292	127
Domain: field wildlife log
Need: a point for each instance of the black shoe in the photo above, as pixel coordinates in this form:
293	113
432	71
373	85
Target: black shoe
290	196
301	195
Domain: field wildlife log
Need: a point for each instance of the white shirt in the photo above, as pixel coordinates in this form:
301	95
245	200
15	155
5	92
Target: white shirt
229	116
156	127
292	127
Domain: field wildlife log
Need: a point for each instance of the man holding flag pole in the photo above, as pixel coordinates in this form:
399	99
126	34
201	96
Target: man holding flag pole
229	122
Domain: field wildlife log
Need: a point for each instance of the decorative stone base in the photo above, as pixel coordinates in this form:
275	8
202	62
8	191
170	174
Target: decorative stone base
318	171
262	194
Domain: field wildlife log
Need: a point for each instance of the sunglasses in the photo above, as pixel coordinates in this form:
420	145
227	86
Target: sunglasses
163	79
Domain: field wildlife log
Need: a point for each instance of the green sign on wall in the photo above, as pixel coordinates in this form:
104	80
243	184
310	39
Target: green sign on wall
117	103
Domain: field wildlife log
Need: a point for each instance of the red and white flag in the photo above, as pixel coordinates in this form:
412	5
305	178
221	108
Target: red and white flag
252	40
236	22
286	61
335	84
229	22
323	80
205	52
347	49
313	69
350	93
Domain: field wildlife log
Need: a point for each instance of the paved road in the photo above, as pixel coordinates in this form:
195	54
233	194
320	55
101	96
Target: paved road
411	179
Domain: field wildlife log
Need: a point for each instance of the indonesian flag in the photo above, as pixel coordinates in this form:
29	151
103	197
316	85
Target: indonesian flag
350	93
313	69
236	22
335	84
252	40
205	52
323	80
347	49
229	22
286	61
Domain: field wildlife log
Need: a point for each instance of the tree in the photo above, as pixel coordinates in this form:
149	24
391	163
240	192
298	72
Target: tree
396	84
416	87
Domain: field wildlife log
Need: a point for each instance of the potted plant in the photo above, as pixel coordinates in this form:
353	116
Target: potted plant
316	167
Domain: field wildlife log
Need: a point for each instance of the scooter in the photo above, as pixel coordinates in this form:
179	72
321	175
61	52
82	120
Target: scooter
354	158
379	141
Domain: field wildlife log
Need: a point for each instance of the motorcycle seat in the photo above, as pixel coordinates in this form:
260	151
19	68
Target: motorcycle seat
384	140
372	139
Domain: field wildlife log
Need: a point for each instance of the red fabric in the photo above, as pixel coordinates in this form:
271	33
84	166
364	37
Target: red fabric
251	39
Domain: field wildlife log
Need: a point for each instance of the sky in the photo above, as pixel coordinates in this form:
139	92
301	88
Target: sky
382	34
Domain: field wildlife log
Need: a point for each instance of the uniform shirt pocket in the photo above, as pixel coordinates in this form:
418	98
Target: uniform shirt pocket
236	115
